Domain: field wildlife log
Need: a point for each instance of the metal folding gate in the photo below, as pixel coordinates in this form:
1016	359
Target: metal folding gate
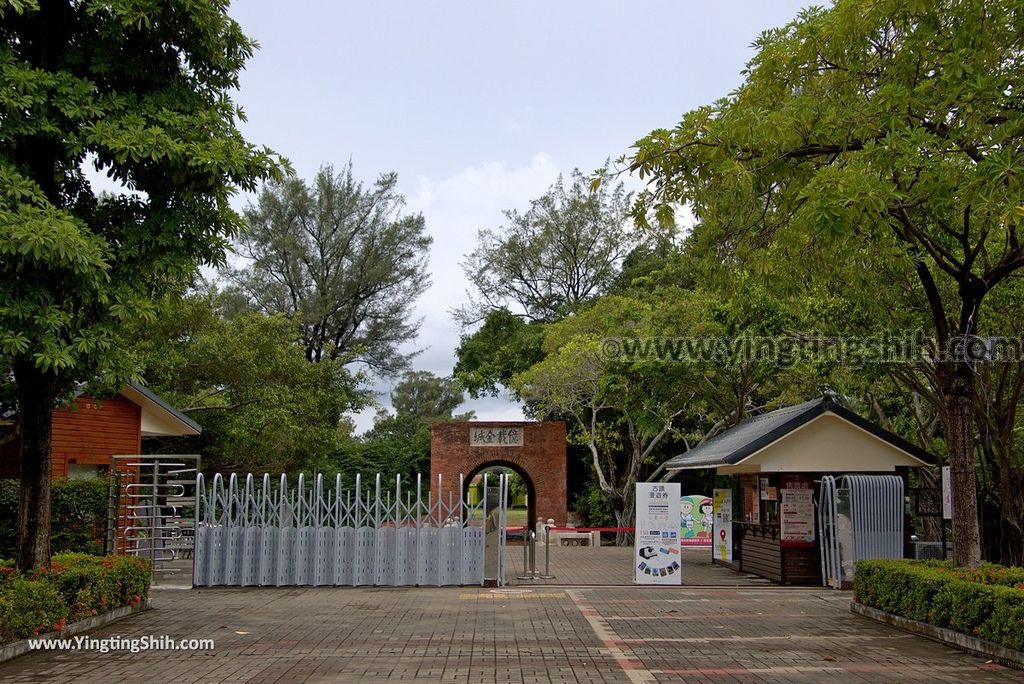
275	532
860	517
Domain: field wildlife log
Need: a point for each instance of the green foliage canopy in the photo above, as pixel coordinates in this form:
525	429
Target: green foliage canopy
246	380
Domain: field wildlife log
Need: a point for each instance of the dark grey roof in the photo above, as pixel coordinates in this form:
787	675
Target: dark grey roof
162	403
753	434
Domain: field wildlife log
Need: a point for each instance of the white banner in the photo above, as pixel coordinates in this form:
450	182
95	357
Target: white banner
723	525
947	494
657	552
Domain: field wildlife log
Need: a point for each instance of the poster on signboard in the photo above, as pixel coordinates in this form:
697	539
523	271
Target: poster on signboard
722	529
797	514
696	520
657	554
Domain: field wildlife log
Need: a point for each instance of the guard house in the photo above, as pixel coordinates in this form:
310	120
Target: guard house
89	431
779	460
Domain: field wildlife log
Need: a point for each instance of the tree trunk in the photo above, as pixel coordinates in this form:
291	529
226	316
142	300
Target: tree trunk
36	392
963	480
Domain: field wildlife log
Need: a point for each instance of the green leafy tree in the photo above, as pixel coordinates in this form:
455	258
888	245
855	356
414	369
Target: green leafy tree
881	133
246	380
547	261
399	442
141	91
340	259
488	358
621	411
423	395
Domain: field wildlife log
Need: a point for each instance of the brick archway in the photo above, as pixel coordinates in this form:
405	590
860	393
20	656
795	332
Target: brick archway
537	449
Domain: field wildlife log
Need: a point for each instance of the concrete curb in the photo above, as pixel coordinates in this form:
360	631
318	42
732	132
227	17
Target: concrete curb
22	647
989	649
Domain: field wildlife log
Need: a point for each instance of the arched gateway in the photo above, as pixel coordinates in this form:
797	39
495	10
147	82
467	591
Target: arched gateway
535	450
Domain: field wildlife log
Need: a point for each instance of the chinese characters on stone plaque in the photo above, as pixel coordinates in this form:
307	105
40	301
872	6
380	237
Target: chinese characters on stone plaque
496	436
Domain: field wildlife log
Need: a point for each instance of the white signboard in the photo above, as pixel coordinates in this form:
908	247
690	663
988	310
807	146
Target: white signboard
657	551
947	495
722	535
797	516
496	436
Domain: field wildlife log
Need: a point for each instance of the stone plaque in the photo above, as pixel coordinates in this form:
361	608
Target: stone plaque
496	436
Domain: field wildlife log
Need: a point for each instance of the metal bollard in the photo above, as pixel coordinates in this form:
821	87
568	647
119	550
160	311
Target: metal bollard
547	554
527	547
533	553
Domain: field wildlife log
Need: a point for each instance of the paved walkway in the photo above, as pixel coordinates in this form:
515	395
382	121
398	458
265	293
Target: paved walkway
474	635
613	566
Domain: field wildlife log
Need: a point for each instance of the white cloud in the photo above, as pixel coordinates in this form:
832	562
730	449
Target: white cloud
455	208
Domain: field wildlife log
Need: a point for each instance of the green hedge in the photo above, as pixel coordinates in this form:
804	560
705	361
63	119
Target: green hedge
75	586
987	603
78	518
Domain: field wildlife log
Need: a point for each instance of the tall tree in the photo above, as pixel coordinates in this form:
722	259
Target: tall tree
502	346
246	380
424	395
564	250
142	92
621	411
399	442
879	131
342	260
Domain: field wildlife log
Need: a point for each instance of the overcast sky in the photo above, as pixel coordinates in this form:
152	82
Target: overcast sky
479	105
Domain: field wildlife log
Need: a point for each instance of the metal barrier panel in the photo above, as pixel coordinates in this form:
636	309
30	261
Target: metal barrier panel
860	517
266	533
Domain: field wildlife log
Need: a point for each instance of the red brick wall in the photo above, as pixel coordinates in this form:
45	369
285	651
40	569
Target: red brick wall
89	431
541	458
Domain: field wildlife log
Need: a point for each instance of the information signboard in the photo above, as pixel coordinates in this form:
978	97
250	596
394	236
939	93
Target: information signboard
797	515
723	525
657	556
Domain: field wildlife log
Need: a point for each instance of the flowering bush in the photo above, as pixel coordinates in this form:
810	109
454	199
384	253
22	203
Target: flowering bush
28	608
986	603
73	587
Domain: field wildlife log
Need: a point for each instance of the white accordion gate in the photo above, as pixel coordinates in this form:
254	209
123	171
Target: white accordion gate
268	533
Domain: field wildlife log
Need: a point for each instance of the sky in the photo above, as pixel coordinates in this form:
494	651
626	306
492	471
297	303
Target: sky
480	105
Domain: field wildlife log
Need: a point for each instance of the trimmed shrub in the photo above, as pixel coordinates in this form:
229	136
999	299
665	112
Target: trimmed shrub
986	603
75	586
91	585
29	608
78	518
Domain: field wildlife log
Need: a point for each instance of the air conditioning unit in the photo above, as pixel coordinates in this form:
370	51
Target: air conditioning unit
931	550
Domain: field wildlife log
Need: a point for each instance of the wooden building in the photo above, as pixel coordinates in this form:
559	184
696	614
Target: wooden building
88	431
790	449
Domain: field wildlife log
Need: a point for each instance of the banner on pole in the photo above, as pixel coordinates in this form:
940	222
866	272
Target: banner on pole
723	525
947	495
657	557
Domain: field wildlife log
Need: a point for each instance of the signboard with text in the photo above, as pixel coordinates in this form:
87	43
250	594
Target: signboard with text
947	495
496	436
797	511
723	525
657	552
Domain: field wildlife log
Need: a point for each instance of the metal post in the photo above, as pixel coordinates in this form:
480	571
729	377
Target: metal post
527	547
532	553
547	554
155	526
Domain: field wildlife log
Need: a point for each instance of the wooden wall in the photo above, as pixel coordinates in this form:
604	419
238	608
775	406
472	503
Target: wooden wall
759	550
89	431
801	565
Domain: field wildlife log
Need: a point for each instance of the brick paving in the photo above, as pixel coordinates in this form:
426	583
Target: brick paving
521	635
613	566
